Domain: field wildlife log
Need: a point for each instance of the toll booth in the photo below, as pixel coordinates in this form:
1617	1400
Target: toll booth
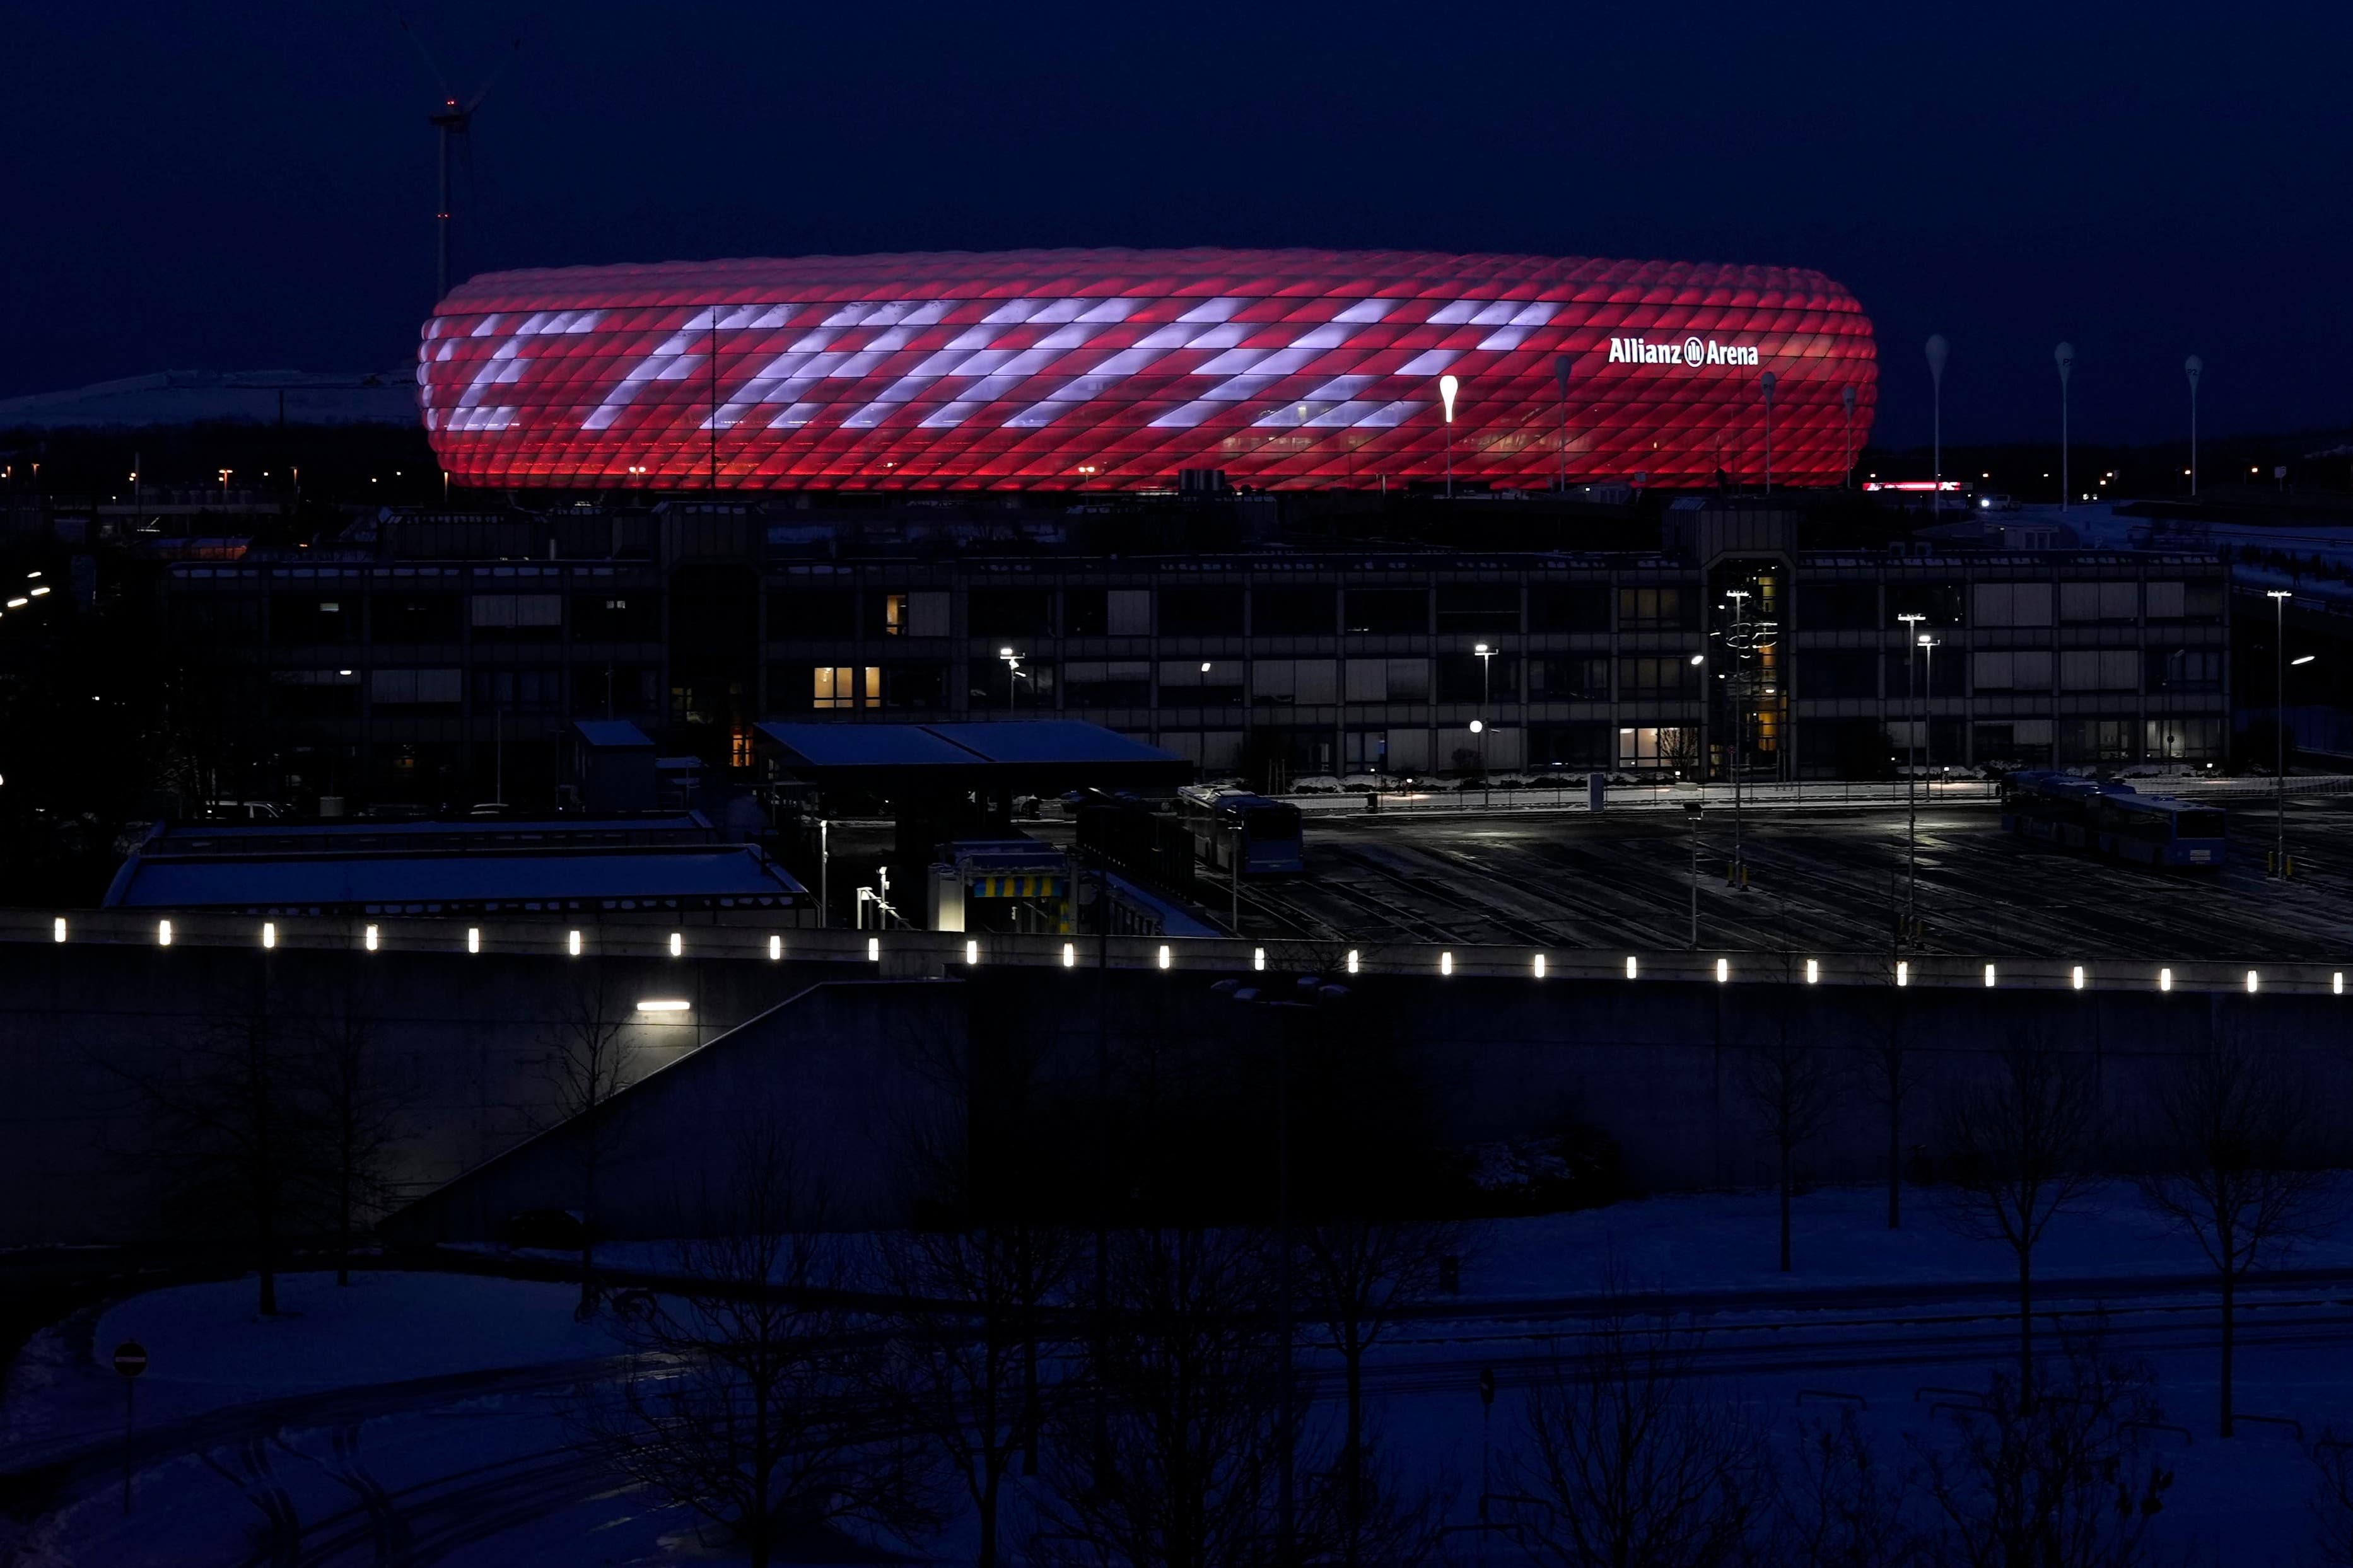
1007	886
949	784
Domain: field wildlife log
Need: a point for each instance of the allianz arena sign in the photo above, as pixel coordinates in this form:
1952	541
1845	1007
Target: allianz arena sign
1695	352
1107	370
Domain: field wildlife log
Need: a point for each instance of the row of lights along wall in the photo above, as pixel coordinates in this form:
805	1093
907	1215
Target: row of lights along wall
1165	958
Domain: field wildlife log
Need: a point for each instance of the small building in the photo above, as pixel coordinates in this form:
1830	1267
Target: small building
624	869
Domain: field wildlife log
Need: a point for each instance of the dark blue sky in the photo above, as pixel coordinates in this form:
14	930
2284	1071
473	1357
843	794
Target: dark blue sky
250	186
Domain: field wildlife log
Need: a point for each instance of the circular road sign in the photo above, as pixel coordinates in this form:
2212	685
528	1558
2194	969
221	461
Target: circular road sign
130	1358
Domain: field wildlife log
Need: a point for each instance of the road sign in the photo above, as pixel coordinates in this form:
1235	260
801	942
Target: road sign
130	1358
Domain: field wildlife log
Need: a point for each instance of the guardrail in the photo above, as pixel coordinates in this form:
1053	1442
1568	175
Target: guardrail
907	954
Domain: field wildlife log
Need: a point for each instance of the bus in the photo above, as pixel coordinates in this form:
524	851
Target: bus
1225	823
2113	820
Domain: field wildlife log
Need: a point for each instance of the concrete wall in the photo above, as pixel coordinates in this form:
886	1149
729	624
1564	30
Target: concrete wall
869	1068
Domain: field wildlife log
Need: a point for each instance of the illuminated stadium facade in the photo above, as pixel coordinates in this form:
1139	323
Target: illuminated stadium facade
1071	370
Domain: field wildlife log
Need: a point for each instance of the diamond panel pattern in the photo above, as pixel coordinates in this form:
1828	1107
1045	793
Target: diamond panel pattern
1115	369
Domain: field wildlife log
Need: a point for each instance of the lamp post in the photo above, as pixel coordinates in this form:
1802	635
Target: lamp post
1486	706
1740	642
1012	675
1447	387
1911	768
2064	357
1846	449
1927	702
2279	598
2193	367
1938	350
1768	382
1693	808
1561	365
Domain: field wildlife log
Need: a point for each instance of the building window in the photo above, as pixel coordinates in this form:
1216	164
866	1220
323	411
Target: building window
1392	612
2185	670
1478	607
846	686
2012	604
2099	669
1657	609
798	613
1663	675
1292	612
2185	739
1008	612
1200	612
1121	683
1658	746
1569	607
1568	677
2027	670
1838	607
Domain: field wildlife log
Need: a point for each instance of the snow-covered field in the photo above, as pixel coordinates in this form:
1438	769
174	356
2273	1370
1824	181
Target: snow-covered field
320	1414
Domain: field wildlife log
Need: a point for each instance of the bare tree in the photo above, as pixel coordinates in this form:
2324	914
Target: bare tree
1891	1071
230	1130
1189	1374
2231	1170
1788	1084
1627	1460
1355	1278
2016	1141
2331	1454
749	1397
354	1108
2064	1482
965	1368
1839	1505
586	1062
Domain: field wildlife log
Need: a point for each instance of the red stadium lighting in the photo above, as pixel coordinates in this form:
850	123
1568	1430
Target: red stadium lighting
1121	369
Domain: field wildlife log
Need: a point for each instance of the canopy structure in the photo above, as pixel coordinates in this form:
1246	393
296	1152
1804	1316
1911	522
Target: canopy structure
1025	756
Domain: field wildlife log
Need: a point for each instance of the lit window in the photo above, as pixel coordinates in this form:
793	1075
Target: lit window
841	685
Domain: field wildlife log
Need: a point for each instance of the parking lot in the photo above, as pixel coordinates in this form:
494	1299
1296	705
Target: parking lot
1831	881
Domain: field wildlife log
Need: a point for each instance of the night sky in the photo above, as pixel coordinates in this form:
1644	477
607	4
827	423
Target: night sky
229	188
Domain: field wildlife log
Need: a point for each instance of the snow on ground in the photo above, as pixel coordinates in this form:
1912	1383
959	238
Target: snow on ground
1730	1241
208	1347
446	1461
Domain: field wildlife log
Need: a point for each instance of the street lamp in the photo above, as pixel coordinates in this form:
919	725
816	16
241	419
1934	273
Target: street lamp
1767	380
2193	367
1938	350
2064	357
1486	705
1911	639
1447	387
2279	598
1012	675
1692	809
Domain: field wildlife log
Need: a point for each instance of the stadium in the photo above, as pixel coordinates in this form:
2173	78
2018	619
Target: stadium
1122	369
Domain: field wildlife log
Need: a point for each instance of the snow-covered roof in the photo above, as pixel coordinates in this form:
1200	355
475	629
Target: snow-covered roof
201	397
